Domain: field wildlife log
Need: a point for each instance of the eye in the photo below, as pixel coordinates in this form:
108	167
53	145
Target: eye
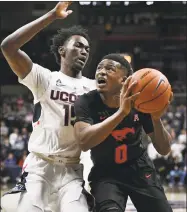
88	49
77	45
110	69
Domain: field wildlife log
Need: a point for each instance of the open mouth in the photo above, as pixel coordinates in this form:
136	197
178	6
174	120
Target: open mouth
101	81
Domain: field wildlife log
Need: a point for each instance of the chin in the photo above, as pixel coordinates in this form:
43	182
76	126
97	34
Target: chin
102	90
77	67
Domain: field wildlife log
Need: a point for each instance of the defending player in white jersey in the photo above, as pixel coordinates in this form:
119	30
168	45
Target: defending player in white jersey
52	168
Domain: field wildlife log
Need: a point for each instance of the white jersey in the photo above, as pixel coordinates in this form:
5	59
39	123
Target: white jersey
54	96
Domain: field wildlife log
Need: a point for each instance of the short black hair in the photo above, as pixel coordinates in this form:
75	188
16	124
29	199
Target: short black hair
63	35
120	59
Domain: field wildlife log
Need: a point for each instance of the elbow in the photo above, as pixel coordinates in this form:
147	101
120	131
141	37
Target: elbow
165	151
7	46
84	147
4	45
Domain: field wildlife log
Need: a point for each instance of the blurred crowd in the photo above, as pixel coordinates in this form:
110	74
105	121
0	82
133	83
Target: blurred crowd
172	167
16	126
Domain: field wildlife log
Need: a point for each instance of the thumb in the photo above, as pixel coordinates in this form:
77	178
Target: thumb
171	96
69	12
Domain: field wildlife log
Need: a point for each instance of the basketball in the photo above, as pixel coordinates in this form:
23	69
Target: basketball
155	90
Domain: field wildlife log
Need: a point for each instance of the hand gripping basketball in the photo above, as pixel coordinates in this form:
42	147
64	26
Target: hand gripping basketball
155	90
126	99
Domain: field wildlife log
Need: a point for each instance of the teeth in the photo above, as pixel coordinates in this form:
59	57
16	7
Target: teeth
101	81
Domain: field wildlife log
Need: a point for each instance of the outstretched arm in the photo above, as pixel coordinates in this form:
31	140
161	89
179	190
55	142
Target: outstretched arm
19	61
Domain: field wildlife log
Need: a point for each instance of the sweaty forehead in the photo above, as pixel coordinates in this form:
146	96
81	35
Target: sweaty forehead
77	38
109	62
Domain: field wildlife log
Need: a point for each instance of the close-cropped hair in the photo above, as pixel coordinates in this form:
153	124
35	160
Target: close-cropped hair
63	35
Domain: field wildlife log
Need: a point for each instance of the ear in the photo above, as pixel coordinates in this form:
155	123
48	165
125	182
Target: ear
61	51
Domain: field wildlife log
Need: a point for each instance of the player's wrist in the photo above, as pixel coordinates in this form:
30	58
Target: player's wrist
52	14
121	113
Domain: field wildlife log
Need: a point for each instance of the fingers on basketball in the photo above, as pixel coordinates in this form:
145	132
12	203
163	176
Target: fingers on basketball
130	88
134	96
126	85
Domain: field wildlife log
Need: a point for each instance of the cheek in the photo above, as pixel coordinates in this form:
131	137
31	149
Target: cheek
71	52
115	82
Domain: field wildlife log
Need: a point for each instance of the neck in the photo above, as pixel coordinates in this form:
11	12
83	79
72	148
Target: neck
112	101
65	69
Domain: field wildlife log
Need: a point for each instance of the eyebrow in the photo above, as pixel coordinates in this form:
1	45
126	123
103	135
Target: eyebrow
79	42
107	65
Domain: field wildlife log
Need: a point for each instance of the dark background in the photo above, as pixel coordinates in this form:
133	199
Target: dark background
153	34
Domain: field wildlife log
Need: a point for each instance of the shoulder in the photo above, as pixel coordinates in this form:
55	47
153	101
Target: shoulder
87	98
91	95
37	67
89	83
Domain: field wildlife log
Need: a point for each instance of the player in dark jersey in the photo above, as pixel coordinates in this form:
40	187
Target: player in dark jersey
107	123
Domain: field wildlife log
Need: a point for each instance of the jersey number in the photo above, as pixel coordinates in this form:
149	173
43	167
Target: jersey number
121	154
69	115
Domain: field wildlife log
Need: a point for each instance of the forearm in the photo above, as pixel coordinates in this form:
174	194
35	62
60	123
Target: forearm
21	36
93	135
161	138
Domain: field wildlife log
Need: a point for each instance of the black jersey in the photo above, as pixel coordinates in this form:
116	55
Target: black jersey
125	141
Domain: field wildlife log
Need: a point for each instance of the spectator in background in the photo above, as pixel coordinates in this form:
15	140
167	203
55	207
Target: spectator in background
178	120
25	134
5	148
177	174
182	137
28	118
176	150
13	137
4	176
19	146
6	110
3	129
20	102
22	159
10	161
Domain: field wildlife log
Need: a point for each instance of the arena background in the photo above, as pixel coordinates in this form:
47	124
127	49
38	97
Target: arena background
152	34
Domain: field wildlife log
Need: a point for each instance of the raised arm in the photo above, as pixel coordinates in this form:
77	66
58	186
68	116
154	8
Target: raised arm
19	61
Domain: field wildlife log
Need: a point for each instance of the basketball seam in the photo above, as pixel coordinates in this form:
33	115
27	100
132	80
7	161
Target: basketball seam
148	83
155	97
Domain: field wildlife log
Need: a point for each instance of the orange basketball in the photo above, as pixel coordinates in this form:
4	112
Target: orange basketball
155	90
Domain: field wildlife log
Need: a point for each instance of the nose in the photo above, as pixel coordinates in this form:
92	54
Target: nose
84	52
102	72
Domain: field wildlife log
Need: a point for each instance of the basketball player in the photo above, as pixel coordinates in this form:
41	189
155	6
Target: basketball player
52	167
107	123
